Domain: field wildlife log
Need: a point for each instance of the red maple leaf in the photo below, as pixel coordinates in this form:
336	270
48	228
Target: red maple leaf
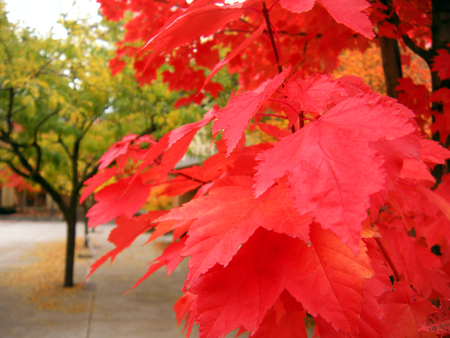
115	150
228	216
346	12
240	109
404	313
94	182
350	165
182	309
315	92
432	152
123	236
415	262
277	323
125	197
336	151
240	294
172	147
192	23
441	64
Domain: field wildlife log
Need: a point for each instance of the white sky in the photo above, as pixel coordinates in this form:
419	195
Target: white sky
43	15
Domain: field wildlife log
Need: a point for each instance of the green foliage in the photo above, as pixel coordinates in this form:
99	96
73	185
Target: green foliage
59	103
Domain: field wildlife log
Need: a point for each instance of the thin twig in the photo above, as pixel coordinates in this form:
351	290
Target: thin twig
272	40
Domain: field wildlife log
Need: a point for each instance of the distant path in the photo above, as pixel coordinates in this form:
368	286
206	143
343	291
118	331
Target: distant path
33	303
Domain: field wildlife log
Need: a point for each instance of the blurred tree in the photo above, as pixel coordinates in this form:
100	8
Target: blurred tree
60	109
368	66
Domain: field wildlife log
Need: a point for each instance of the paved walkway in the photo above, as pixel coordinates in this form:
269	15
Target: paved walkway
33	303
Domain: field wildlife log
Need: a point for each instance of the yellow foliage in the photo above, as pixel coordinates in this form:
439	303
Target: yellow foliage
156	202
369	67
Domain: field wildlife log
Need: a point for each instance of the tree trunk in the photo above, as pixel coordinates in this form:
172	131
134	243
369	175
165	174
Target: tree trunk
390	55
71	220
392	65
440	34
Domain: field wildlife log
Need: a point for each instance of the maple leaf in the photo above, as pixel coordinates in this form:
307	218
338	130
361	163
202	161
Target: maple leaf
403	314
441	64
354	85
395	153
414	96
172	146
346	12
180	186
415	262
438	200
439	321
182	308
125	197
416	170
122	237
115	150
278	324
227	217
192	23
96	181
432	152
240	109
371	322
315	92
326	278
332	167
257	262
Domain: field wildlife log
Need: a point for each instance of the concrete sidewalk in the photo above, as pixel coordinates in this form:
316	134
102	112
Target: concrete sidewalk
33	303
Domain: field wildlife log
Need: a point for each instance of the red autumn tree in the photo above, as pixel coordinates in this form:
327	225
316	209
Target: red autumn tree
340	218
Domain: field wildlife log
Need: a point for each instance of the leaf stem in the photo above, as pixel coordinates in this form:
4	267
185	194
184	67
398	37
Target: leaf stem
272	40
272	115
285	103
388	259
188	177
273	5
302	120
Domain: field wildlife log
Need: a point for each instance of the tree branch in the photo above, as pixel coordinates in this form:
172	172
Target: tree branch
15	169
426	55
63	145
269	28
35	141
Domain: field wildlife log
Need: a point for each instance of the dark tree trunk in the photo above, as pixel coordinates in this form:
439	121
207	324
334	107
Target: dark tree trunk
70	248
392	65
391	58
440	34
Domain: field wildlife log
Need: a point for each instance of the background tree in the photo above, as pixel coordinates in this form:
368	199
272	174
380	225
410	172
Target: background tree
60	109
339	218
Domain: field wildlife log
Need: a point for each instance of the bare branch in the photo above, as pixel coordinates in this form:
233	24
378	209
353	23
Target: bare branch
426	55
15	169
63	145
35	141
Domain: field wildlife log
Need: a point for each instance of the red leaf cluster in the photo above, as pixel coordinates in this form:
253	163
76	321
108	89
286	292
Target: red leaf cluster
339	218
